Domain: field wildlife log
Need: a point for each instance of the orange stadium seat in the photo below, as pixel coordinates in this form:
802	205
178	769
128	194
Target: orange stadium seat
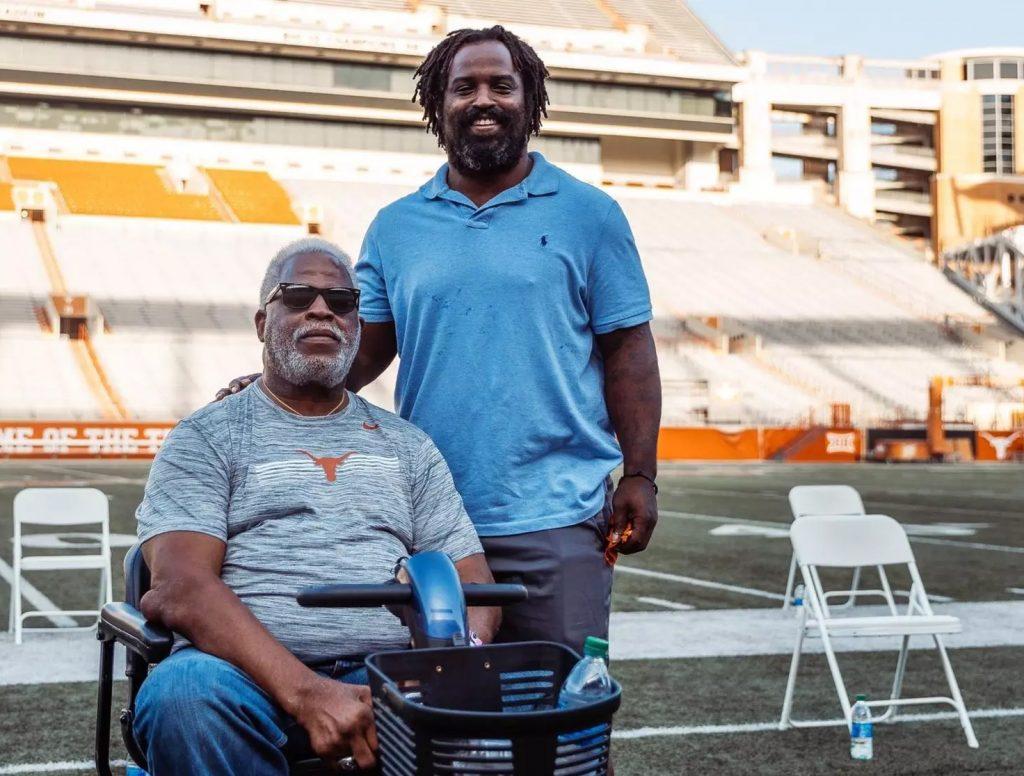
254	196
6	203
114	189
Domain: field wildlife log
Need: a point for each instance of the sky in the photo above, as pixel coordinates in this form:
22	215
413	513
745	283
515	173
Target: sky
890	29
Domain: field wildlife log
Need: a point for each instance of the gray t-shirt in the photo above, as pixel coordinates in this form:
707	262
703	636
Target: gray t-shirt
305	501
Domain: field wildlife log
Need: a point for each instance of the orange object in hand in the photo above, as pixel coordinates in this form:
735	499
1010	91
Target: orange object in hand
611	552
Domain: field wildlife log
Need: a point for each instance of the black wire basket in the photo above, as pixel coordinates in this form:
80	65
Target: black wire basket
481	711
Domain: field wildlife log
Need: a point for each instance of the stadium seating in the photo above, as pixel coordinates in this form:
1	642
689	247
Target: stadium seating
6	203
39	379
348	207
542	13
675	27
863	325
188	265
180	314
253	196
108	188
849	317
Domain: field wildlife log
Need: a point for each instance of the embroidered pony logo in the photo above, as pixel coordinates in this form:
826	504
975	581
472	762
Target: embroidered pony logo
329	465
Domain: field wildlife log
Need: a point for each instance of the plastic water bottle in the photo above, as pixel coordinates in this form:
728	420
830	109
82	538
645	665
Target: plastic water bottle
589	680
861	747
798	600
131	769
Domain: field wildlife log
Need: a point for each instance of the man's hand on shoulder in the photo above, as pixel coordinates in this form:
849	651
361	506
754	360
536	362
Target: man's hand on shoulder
634	504
236	385
339	720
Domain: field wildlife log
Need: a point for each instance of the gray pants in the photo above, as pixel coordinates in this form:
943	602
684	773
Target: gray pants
570	585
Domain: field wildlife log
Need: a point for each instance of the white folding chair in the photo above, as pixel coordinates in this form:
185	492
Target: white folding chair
807	500
849	541
60	507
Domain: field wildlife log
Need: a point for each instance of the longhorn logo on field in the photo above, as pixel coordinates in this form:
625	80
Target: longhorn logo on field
1000	444
329	465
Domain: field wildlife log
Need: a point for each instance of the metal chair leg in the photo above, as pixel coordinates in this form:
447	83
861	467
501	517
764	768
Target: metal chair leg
837	676
954	689
854	585
16	603
897	682
794	667
788	598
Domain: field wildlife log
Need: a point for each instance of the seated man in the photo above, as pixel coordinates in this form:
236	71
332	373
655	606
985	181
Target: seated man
292	482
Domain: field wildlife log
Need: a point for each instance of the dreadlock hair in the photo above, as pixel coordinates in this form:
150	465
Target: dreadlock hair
432	75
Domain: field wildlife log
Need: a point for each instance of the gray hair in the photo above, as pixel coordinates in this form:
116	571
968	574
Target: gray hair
296	248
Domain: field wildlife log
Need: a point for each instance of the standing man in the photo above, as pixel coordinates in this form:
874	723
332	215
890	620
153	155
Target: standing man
515	298
514	295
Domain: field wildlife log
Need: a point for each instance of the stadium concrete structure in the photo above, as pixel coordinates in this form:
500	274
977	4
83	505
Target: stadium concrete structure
155	153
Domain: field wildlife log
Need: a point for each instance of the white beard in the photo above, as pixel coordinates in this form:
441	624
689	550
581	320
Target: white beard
298	369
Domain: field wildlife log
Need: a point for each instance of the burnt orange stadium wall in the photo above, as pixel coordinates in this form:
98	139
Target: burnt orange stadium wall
58	439
752	444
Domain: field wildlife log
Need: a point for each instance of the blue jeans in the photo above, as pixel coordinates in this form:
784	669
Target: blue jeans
198	714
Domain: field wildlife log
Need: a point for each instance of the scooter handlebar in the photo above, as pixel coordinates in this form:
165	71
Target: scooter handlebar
369	596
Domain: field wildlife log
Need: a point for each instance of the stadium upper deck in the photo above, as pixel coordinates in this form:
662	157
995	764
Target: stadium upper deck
640	89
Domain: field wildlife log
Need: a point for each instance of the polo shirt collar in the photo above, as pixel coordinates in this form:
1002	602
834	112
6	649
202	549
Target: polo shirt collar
543	179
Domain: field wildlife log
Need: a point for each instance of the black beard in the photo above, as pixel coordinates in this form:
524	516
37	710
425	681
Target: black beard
472	155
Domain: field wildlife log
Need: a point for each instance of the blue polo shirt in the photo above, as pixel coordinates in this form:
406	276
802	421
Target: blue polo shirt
496	309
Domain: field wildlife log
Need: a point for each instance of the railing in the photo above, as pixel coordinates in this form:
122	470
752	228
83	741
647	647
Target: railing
907	72
907	195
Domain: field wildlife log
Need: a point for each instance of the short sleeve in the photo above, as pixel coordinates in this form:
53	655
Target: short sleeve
440	521
189	487
617	293
374	305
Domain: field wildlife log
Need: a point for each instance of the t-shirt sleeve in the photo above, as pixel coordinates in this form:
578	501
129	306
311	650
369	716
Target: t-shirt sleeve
374	305
440	521
617	293
188	489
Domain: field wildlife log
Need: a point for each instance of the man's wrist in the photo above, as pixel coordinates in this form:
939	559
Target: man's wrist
648	476
299	688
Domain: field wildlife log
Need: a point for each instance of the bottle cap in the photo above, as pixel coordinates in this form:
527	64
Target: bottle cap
862	697
595	647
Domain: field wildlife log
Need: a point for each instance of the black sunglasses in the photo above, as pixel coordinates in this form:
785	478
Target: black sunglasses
299	296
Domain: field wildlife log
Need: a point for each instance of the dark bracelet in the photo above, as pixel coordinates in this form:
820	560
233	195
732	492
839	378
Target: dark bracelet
649	479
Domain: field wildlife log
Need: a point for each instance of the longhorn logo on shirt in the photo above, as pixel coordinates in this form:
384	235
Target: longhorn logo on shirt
329	465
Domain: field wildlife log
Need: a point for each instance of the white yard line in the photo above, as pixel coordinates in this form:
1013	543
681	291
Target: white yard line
95	477
762	727
675	605
700	582
63	766
35	597
780	524
711	633
681	490
969	545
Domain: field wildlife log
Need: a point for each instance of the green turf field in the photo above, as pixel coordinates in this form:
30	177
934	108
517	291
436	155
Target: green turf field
721	542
